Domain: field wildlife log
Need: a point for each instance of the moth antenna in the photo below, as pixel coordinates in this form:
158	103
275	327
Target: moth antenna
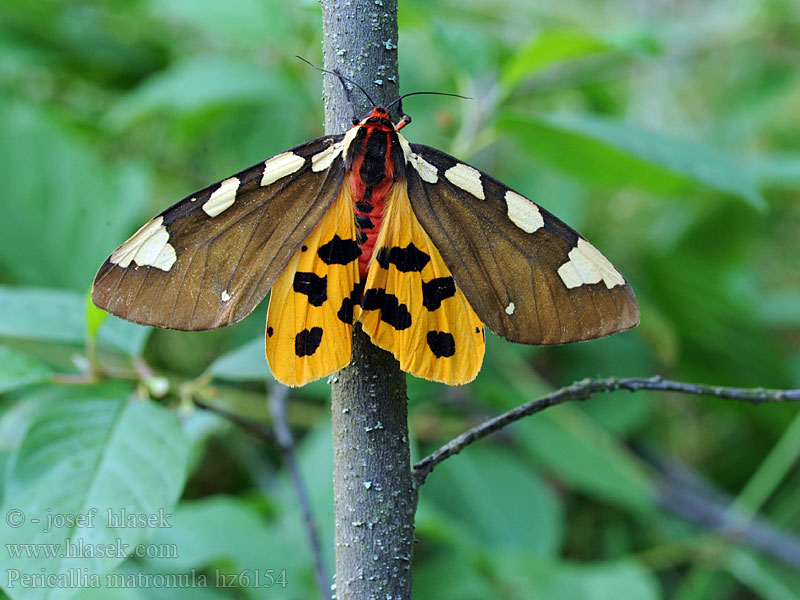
342	79
400	99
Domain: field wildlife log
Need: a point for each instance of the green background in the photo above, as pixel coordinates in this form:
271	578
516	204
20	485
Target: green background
666	133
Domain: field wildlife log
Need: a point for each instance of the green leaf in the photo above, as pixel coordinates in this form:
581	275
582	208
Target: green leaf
124	336
607	152
779	170
18	370
95	317
780	309
462	581
96	452
42	314
71	208
246	363
17	417
611	581
600	581
196	84
571	443
499	498
587	457
549	48
236	21
764	579
515	575
50	315
315	462
219	531
773	469
228	534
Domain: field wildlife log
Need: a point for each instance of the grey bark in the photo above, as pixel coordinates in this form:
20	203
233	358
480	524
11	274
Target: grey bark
359	39
373	489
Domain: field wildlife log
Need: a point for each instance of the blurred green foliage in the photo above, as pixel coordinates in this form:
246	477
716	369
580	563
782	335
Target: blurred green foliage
665	132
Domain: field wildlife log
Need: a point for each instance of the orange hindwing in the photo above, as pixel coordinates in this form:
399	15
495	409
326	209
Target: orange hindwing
413	308
311	309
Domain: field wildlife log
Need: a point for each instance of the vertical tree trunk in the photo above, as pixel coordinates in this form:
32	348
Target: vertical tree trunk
373	493
373	490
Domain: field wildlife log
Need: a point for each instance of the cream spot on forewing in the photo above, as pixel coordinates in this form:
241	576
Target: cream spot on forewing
523	213
323	160
222	198
225	296
587	265
348	138
467	178
405	147
510	308
280	166
148	247
425	169
193	199
570	275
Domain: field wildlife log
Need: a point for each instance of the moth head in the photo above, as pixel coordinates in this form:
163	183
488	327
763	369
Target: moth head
379	119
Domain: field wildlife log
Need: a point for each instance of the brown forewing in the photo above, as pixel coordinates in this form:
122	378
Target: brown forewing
225	264
510	277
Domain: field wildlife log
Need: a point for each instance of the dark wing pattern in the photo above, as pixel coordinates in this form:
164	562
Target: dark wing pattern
208	260
529	277
312	304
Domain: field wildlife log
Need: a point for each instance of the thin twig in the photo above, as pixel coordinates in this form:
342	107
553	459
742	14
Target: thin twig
687	494
74	378
283	436
259	430
585	389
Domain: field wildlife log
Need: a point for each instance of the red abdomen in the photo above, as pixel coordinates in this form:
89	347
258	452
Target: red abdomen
372	174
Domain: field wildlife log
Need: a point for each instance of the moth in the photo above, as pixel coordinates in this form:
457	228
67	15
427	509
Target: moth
420	248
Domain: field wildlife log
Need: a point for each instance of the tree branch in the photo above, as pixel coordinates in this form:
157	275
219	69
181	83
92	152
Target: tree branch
372	485
582	390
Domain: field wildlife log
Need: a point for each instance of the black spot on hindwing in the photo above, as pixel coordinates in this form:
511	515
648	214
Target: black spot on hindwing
345	312
307	341
392	312
441	343
364	207
435	291
270	331
407	260
339	251
313	286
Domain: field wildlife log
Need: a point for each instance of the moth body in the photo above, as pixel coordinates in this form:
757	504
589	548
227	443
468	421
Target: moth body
420	248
